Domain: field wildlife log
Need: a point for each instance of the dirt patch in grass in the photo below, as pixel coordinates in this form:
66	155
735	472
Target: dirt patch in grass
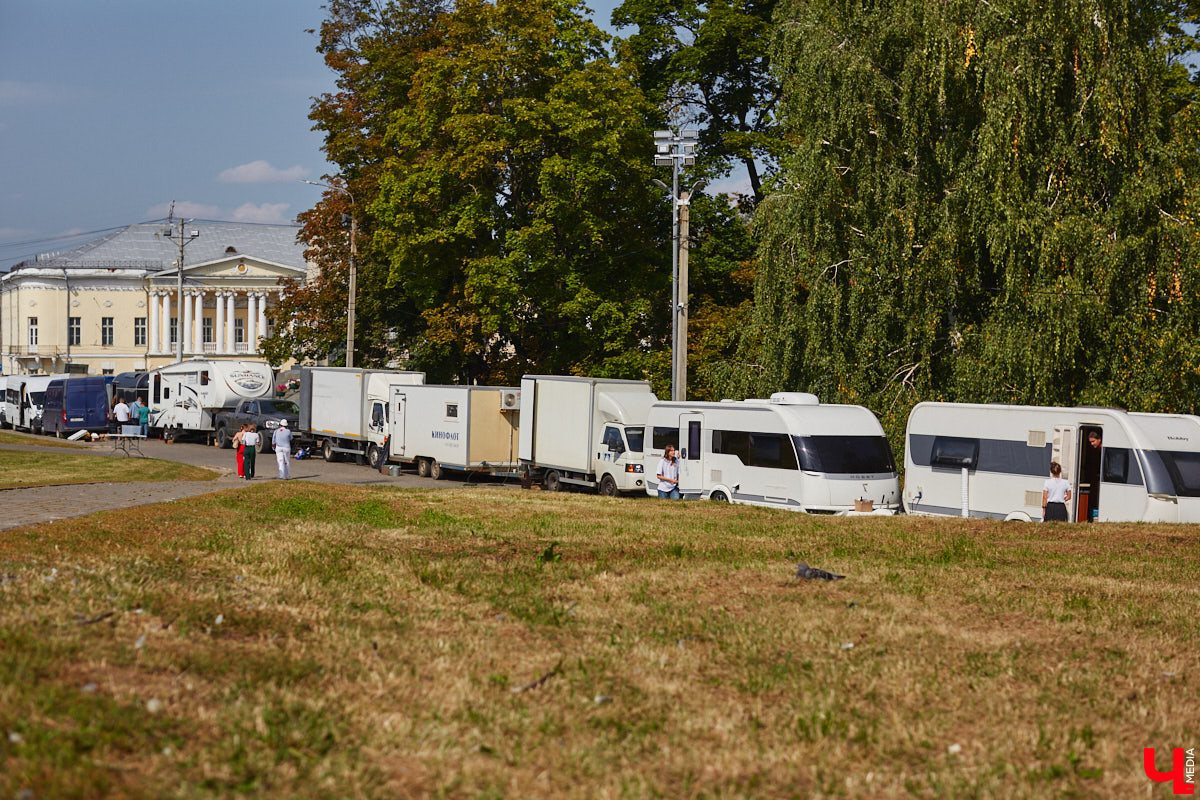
315	641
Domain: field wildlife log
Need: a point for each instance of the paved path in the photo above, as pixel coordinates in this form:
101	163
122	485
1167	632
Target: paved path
29	506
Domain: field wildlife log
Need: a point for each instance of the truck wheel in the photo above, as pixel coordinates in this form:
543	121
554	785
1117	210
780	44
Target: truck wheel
436	471
328	452
608	486
719	496
423	467
58	433
374	456
264	443
224	441
552	482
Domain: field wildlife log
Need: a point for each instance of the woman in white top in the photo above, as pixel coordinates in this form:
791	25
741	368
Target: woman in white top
1056	493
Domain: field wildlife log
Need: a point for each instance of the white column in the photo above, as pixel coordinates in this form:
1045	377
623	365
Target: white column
232	327
252	323
153	338
262	315
198	317
166	322
219	324
186	306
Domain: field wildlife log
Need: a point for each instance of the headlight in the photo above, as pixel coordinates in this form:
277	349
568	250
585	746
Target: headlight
271	423
633	468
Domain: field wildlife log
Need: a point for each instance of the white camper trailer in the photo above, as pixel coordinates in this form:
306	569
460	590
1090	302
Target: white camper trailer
453	428
345	409
185	396
33	401
584	432
789	452
991	461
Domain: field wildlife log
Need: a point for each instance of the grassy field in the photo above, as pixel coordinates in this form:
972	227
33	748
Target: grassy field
300	640
11	437
22	468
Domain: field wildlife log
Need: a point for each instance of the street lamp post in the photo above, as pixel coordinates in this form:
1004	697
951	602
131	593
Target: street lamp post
353	288
677	150
182	241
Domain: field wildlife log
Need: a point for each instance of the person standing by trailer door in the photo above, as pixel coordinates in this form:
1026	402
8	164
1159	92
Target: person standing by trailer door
1090	474
668	475
282	442
1056	493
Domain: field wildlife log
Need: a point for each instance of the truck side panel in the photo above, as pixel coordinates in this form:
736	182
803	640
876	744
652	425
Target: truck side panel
562	422
337	404
493	433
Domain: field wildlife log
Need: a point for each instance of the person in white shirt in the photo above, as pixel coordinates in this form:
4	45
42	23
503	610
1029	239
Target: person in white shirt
668	475
250	440
120	414
1056	493
282	442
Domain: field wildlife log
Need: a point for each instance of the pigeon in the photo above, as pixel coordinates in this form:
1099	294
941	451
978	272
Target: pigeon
803	570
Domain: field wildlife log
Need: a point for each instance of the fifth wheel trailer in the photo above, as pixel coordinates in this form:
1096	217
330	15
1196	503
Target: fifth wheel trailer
584	432
974	460
791	452
441	429
186	395
344	409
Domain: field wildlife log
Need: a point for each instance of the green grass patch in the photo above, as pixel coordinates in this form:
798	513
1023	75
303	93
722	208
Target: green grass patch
20	468
310	641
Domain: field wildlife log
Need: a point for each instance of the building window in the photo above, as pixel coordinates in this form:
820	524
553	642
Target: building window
139	331
174	330
74	330
106	331
239	331
207	332
33	338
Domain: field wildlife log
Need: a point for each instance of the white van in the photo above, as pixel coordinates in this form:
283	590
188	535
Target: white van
788	452
991	460
33	401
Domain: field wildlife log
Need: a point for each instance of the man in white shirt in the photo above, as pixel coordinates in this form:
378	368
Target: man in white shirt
282	442
120	414
668	475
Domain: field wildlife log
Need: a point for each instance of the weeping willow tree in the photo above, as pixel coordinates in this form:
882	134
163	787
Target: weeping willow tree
981	202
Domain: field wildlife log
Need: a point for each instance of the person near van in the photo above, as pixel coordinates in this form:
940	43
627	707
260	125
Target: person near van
239	447
281	440
249	451
1056	493
143	418
134	407
120	415
668	475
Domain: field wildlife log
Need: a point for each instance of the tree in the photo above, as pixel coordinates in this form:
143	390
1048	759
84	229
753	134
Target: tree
983	203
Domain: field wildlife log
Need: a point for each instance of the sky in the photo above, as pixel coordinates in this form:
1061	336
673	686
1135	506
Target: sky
112	109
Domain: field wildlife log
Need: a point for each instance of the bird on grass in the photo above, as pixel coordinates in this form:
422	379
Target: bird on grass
804	571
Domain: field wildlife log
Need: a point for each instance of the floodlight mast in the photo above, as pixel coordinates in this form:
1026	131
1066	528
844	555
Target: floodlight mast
675	150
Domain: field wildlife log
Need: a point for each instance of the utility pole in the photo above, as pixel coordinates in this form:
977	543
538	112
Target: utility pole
675	151
681	308
182	241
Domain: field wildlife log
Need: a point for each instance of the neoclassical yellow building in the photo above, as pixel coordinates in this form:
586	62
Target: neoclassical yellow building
113	304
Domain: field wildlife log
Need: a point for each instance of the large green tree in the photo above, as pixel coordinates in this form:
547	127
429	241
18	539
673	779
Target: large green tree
983	202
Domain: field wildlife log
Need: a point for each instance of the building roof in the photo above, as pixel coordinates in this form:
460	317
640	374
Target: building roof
143	246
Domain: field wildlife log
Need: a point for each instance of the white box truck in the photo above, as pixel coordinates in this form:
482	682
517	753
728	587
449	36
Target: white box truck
185	396
344	409
445	429
584	432
790	451
977	460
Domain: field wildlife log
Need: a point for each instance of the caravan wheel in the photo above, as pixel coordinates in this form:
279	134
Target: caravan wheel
423	467
719	496
436	471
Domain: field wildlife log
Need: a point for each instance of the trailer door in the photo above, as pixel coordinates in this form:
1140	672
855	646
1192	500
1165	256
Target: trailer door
396	441
691	454
1065	451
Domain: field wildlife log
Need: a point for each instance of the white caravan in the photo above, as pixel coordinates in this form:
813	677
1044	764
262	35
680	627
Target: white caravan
584	432
344	409
991	461
791	452
447	428
185	396
32	400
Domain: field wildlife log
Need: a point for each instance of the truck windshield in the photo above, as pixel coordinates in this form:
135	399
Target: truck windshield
279	407
635	437
843	455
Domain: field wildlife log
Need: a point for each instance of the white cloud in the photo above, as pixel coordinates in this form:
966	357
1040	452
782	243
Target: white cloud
261	172
12	92
185	209
267	212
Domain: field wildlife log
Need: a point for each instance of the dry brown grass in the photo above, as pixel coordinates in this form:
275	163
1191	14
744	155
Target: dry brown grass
495	643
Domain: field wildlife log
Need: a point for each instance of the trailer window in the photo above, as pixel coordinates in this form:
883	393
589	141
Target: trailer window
845	455
1121	467
636	438
204	378
769	450
451	410
1184	469
956	453
664	437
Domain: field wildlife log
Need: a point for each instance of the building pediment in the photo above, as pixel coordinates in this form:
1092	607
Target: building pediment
233	270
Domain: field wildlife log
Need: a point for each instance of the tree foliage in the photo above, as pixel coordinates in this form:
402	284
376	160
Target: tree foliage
982	202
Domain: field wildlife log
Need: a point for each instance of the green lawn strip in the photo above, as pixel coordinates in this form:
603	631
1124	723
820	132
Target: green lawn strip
21	468
32	440
319	641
